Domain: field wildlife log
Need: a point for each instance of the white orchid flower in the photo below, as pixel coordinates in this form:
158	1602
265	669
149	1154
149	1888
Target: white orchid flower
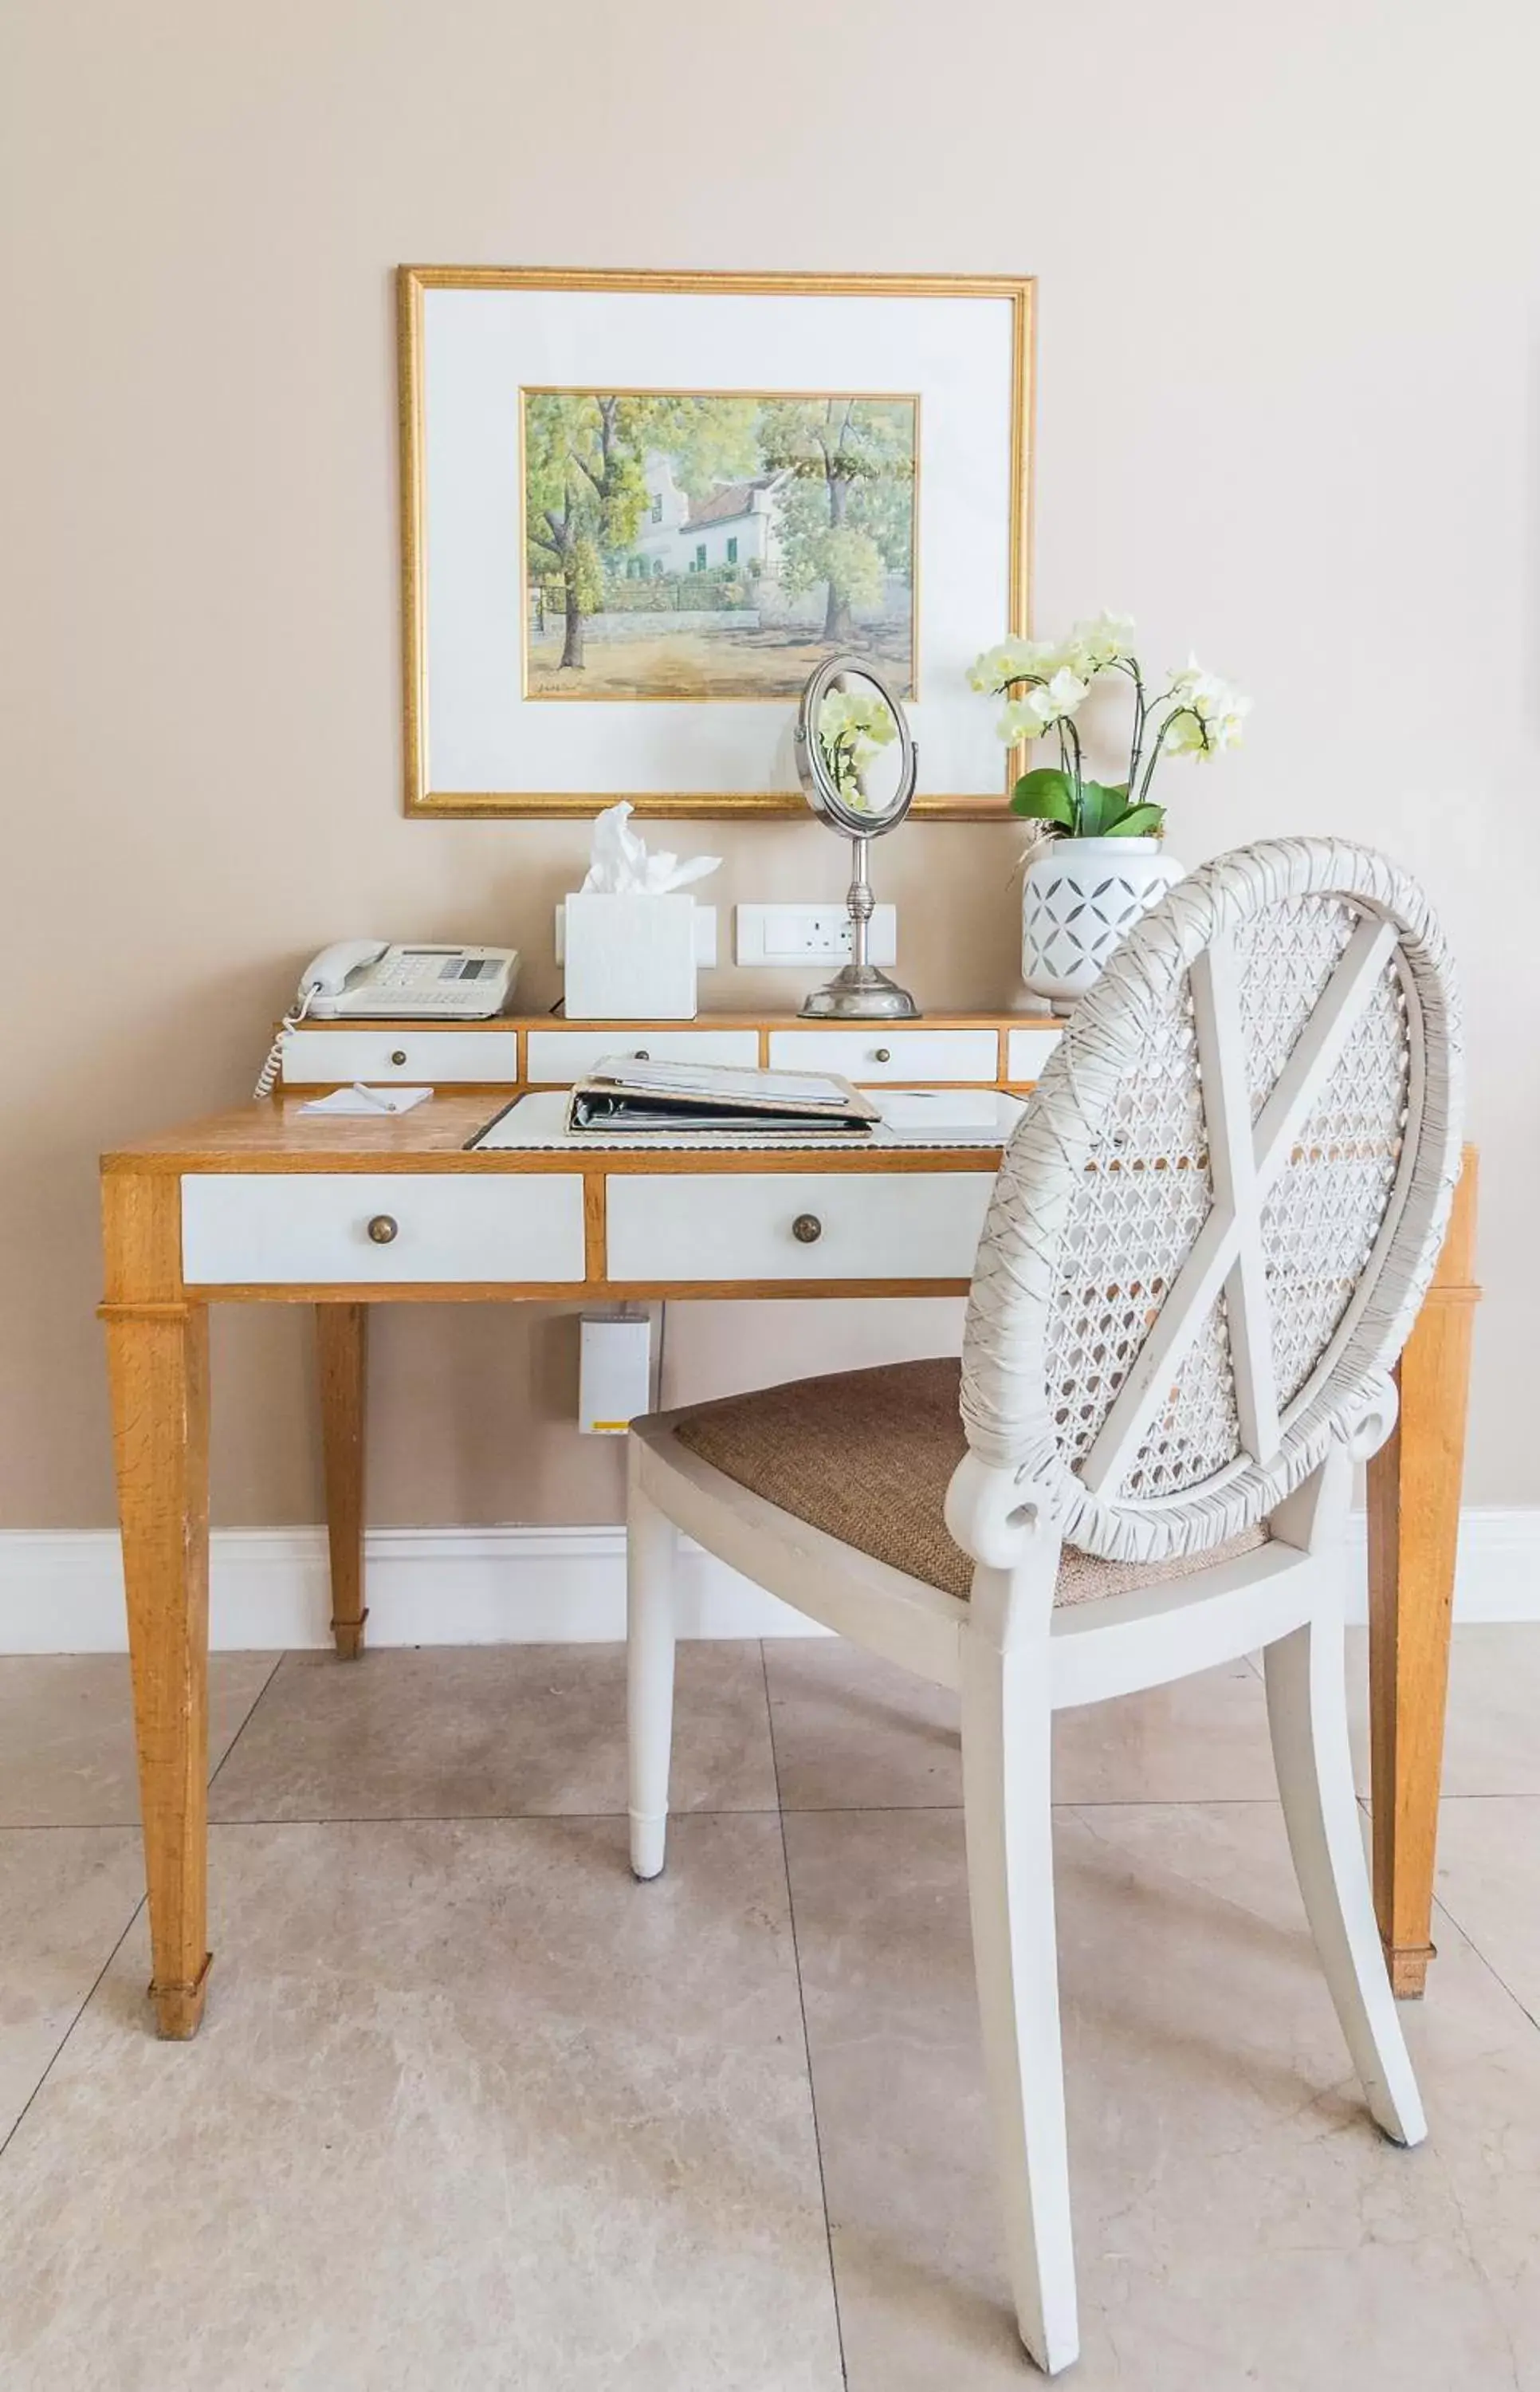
1052	701
1184	736
850	711
1102	640
1226	725
1014	660
853	729
1195	681
1212	713
1043	682
988	672
1061	694
1021	720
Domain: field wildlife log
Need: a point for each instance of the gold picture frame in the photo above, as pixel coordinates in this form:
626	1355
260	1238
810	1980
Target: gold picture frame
414	282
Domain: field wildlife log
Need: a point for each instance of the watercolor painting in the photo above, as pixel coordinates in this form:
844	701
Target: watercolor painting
715	545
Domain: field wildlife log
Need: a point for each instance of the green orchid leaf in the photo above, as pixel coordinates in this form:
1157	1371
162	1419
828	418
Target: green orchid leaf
1140	822
1045	795
1099	805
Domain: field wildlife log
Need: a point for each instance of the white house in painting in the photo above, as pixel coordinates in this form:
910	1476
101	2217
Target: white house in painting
734	527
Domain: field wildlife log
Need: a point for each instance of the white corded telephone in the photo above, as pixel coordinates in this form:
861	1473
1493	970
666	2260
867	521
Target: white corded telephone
366	979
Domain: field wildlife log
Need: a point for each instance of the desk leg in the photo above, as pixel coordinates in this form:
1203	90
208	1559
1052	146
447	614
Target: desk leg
1414	1515
158	1359
342	1345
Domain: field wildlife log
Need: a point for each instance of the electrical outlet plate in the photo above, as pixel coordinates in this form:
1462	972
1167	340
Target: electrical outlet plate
810	934
705	927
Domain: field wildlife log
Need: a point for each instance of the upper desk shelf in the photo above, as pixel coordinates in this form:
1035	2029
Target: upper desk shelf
944	1050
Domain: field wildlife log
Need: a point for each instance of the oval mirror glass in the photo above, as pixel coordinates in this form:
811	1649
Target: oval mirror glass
854	753
856	761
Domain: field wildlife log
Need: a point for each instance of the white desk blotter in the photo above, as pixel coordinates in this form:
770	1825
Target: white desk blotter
981	1117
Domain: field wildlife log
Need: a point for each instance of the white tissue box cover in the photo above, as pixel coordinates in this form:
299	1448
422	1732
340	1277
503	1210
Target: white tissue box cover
630	958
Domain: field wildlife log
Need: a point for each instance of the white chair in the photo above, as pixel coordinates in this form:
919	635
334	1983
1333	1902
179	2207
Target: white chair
1208	1241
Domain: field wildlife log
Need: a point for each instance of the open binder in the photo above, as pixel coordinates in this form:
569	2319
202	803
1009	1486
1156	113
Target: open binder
622	1093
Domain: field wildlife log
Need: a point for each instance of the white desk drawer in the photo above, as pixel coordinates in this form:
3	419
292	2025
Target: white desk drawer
878	1053
425	1057
1028	1050
912	1224
261	1230
556	1057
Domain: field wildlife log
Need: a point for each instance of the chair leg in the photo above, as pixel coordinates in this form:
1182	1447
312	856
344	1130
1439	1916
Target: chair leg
650	1556
1006	1739
1308	1715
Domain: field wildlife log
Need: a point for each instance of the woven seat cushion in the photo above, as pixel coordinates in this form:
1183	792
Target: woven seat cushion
866	1456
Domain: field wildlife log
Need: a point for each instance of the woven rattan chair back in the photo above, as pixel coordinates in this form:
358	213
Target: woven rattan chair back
1215	1223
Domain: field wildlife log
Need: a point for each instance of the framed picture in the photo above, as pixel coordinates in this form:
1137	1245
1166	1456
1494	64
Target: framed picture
638	509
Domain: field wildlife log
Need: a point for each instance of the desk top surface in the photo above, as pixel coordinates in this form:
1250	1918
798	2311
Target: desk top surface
280	1136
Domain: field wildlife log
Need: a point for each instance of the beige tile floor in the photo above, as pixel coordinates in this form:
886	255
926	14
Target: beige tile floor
473	2111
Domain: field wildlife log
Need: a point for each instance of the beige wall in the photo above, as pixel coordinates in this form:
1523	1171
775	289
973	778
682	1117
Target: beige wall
1286	414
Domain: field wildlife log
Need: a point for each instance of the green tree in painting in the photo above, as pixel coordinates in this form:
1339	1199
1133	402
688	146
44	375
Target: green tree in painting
584	494
846	514
707	441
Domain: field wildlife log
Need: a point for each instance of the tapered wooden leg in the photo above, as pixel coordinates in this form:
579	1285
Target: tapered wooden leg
1414	1505
341	1339
158	1362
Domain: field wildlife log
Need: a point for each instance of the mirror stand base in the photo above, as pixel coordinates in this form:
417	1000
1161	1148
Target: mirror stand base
859	993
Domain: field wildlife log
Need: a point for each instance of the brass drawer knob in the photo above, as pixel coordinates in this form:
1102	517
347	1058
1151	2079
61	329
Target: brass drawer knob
806	1228
383	1228
882	1055
399	1056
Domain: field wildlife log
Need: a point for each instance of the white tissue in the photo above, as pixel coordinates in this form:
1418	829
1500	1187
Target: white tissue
621	867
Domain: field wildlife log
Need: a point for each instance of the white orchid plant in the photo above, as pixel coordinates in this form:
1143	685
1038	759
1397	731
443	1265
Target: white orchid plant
853	728
1044	682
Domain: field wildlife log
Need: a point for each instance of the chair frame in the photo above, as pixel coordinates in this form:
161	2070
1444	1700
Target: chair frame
1013	1500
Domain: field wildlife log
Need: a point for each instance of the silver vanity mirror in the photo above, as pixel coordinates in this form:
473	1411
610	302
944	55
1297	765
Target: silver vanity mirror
856	761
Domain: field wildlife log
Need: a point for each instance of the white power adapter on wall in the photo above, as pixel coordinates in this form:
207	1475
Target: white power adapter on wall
614	1356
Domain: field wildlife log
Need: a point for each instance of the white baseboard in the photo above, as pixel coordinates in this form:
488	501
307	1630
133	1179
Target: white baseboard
62	1591
1497	1574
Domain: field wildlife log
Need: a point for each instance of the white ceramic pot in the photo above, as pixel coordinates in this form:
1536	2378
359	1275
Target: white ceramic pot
1077	901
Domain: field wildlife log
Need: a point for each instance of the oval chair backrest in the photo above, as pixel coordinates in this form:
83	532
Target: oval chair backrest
1215	1222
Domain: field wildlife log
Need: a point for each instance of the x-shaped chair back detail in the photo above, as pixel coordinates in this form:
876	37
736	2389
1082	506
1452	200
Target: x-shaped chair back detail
1212	1228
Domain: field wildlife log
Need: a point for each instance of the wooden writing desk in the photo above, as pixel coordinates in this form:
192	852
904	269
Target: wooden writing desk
265	1204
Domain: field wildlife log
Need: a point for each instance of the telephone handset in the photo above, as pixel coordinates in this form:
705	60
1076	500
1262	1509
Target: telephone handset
367	980
329	972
